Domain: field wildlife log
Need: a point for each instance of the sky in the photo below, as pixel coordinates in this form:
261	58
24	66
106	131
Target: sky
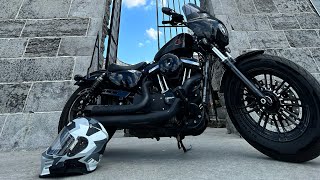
138	40
138	31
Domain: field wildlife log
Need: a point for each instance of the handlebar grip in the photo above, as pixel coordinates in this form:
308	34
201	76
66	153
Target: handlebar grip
166	22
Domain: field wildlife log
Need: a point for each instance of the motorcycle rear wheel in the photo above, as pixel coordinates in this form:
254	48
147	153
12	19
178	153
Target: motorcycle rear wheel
289	130
72	110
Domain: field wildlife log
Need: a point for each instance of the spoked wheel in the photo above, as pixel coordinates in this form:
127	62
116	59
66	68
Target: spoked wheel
287	129
74	106
277	121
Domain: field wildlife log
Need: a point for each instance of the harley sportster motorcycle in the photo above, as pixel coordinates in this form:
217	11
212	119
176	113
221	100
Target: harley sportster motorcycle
273	102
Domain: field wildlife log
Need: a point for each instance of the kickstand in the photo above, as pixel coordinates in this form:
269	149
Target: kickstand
181	145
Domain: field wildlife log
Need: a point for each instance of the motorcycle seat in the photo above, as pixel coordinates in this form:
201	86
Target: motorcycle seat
115	67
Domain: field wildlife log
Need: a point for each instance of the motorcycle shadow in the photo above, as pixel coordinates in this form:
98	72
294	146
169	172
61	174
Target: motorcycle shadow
166	151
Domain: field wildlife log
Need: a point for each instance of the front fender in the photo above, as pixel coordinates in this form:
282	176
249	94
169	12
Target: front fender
237	60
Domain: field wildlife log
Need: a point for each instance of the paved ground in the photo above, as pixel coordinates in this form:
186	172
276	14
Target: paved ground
215	155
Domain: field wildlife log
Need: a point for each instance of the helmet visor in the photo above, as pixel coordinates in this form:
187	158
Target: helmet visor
62	144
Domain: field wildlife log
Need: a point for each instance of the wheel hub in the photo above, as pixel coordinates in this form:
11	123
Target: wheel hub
274	107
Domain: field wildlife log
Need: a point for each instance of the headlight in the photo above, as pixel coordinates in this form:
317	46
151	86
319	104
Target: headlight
223	29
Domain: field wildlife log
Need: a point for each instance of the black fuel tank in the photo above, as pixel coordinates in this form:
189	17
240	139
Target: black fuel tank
181	46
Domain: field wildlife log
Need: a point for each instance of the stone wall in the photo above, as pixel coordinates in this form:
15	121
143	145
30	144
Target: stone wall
43	44
287	28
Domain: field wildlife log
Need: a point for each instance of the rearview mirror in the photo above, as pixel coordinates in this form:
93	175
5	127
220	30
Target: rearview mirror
167	11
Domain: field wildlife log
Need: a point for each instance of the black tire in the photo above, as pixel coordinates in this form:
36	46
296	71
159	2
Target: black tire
67	115
296	113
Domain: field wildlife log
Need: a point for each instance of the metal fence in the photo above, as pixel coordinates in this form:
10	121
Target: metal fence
112	49
167	32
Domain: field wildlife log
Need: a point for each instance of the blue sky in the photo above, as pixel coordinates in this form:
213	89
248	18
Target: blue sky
138	29
138	35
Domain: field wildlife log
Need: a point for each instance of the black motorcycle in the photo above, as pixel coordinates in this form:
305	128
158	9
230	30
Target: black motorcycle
273	102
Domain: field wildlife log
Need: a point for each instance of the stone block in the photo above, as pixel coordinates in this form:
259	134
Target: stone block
292	6
268	39
95	26
221	98
265	6
49	96
43	129
246	6
12	48
86	9
217	74
14	133
214	7
39	69
9	9
79	46
316	55
236	52
229	7
283	21
271	52
317	76
32	132
222	113
44	9
239	39
303	38
56	27
42	47
230	127
82	65
250	23
2	122
309	20
13	97
303	57
11	28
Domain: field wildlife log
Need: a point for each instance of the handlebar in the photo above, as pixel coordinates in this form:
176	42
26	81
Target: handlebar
166	22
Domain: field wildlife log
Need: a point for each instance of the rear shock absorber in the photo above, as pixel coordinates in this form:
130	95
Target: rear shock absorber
95	85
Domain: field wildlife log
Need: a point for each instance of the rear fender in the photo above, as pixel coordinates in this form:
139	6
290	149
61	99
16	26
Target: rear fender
237	60
88	79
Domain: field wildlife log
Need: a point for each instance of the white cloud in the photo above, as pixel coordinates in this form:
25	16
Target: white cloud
134	3
163	3
152	33
140	44
148	41
151	5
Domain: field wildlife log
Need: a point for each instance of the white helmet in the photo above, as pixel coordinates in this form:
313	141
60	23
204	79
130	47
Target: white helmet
77	149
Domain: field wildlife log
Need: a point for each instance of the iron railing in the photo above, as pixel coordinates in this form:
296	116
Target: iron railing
167	32
95	65
112	49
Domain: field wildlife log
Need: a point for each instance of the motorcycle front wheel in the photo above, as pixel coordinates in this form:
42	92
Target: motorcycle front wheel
289	129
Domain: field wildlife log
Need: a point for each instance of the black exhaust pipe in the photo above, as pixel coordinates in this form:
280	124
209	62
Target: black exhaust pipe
149	119
138	120
104	110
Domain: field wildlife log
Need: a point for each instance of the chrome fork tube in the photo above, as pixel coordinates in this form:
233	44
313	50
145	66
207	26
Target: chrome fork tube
205	82
228	61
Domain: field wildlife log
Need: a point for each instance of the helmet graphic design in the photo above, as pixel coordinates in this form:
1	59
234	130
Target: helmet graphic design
77	149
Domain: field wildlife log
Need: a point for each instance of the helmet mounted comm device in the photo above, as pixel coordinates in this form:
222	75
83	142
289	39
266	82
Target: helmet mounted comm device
77	149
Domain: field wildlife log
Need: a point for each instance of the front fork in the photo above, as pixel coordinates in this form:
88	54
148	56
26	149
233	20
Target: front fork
228	61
